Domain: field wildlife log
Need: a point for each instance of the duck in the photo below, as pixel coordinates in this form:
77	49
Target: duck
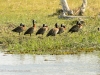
31	29
42	30
61	29
19	29
76	27
53	31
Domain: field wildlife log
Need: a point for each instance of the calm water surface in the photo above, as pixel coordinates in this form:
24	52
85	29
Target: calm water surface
83	64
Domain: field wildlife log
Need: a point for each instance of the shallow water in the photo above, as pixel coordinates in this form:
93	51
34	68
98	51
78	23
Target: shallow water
83	64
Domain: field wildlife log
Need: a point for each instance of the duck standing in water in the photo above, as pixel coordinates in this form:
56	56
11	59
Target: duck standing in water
31	29
53	31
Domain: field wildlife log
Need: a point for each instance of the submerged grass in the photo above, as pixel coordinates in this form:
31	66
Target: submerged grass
12	13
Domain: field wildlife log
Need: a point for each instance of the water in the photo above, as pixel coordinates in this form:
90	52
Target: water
83	64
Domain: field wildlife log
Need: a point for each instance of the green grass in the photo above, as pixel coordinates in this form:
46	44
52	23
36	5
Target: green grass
12	13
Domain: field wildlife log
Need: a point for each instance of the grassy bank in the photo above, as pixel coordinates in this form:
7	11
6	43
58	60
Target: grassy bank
12	13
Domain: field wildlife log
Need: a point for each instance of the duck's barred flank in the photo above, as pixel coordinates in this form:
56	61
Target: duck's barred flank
53	31
42	30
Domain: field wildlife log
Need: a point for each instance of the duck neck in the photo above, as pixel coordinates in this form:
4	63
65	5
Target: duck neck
56	25
33	24
43	25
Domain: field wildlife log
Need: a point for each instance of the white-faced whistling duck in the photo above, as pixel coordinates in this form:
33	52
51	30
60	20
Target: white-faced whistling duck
76	27
31	29
42	30
61	29
53	31
19	29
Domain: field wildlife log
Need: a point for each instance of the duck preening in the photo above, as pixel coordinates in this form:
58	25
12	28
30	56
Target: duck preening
31	29
53	31
76	27
19	29
42	30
